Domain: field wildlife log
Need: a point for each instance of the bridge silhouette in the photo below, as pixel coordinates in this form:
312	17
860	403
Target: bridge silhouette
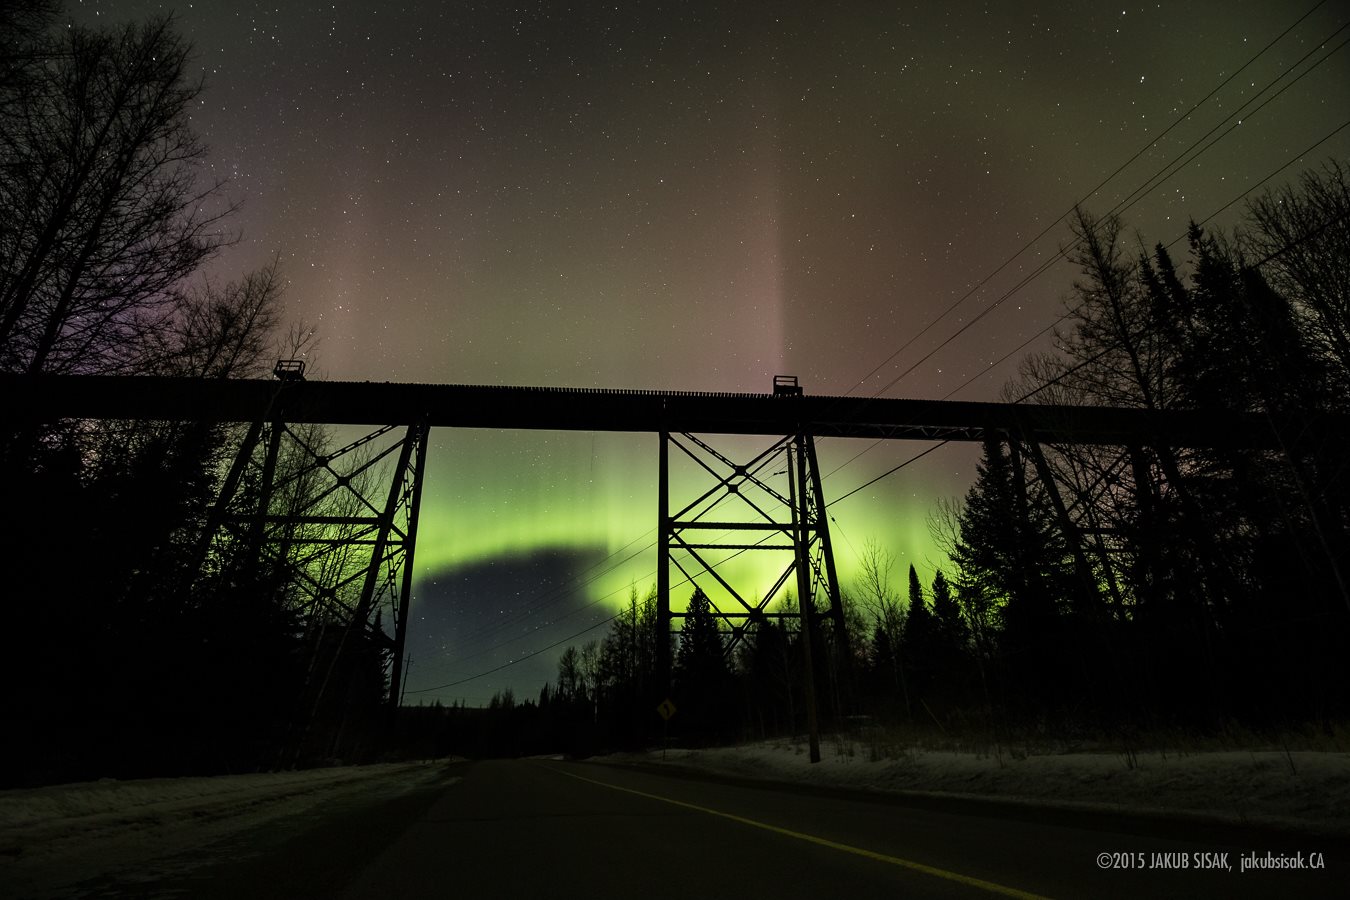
380	521
44	397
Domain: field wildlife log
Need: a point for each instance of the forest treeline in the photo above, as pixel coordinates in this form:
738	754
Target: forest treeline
132	645
1088	591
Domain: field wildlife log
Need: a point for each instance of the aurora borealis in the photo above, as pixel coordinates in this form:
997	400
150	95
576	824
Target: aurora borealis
699	196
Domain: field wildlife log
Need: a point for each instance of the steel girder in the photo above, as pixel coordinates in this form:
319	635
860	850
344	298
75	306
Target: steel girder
50	397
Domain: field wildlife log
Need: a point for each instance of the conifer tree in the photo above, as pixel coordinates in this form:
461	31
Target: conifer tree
701	651
1006	558
947	613
919	620
701	672
918	635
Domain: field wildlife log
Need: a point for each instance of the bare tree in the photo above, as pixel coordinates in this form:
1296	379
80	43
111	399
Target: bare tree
874	589
224	332
590	675
1301	235
100	194
1113	350
944	524
880	599
23	27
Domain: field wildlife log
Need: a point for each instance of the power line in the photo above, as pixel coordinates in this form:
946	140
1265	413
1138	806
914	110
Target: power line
1005	357
1328	136
933	448
538	602
459	658
686	580
1138	153
593	602
915	458
513	662
1095	357
579	633
1150	184
562	592
1156	180
1057	379
994	365
1132	198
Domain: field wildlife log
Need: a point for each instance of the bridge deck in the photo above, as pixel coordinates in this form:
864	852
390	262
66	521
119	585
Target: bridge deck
46	398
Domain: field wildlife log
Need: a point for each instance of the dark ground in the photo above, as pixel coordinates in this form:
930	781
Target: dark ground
532	828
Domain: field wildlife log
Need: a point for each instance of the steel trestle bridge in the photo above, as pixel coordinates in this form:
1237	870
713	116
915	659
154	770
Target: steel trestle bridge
777	492
47	397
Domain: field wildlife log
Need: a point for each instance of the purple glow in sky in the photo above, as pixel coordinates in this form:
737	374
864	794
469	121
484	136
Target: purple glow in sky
699	196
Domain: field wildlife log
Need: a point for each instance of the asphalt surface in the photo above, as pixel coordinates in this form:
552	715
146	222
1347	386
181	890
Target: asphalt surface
556	829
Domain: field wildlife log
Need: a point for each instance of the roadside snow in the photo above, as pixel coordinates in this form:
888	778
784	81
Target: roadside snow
83	803
1305	791
59	835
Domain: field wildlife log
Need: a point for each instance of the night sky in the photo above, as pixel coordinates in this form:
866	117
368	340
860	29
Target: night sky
699	196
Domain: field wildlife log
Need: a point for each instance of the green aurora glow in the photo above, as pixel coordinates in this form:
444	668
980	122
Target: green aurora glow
598	491
699	197
493	497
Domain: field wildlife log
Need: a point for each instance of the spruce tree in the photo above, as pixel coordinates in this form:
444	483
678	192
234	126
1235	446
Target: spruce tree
947	613
701	674
918	623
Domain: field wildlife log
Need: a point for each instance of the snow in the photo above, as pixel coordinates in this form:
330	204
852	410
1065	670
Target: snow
1307	791
53	837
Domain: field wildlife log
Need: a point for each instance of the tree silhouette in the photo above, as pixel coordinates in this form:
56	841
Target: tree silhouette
99	186
919	637
1301	234
702	677
946	613
877	596
105	219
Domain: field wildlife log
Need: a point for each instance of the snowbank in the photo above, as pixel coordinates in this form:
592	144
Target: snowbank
1302	790
53	837
160	798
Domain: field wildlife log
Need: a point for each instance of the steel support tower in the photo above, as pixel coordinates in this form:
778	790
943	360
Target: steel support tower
770	506
338	525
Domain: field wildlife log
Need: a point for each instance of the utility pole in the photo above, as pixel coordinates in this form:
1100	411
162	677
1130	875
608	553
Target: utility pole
805	601
663	569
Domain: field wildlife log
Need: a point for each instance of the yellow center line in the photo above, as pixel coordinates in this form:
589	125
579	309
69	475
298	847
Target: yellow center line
824	842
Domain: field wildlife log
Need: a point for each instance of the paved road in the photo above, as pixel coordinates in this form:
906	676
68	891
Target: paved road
554	829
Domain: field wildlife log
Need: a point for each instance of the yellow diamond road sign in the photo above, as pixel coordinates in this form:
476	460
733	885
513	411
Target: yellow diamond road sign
666	709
